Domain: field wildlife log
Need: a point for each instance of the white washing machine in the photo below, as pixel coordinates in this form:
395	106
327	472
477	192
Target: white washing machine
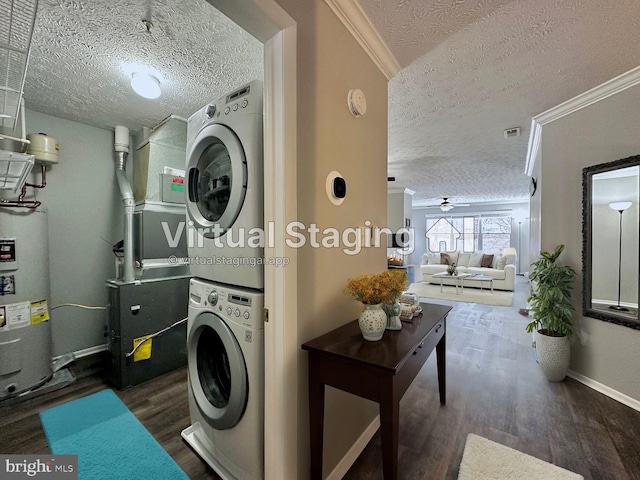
225	340
225	205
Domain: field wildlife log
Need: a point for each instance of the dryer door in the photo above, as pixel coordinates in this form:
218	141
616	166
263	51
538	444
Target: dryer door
217	371
217	180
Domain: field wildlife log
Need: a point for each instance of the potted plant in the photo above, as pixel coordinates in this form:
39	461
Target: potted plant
550	304
372	290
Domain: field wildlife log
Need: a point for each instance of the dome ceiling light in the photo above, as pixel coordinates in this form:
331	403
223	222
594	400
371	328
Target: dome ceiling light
145	85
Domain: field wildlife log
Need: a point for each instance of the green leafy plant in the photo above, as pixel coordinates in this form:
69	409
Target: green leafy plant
550	300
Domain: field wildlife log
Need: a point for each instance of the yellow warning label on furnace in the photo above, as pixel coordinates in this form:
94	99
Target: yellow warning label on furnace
143	352
39	312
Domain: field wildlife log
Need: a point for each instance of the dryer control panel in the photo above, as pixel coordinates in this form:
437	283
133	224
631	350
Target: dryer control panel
246	100
238	305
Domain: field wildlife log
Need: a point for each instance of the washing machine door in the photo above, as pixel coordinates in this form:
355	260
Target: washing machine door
217	180
217	371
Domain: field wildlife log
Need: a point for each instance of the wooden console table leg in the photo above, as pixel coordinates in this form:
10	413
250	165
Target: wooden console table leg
316	417
442	368
389	423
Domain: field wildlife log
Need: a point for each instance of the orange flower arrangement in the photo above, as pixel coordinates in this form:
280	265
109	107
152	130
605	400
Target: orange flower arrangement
375	288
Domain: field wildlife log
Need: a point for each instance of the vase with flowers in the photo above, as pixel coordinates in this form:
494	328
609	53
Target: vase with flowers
452	269
372	290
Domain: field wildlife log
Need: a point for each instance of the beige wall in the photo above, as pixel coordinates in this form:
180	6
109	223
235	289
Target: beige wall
605	131
330	63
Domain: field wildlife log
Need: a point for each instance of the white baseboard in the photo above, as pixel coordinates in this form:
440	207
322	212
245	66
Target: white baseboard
85	352
605	390
348	460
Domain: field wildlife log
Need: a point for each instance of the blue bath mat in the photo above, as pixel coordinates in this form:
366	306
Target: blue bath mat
109	440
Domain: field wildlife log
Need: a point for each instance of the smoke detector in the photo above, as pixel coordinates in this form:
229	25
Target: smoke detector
512	132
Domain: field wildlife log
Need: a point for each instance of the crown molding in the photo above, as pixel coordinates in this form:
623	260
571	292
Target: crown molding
607	89
353	17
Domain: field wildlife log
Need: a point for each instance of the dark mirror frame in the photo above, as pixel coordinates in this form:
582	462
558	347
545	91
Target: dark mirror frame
587	183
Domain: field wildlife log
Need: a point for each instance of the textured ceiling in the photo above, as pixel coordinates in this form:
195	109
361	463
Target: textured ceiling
82	54
472	69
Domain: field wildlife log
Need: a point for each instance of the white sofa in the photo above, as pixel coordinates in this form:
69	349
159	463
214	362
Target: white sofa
502	269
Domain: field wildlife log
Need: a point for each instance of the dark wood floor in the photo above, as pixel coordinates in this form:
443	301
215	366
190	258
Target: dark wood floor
494	389
160	404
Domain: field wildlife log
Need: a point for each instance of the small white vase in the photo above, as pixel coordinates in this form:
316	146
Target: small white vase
372	322
554	356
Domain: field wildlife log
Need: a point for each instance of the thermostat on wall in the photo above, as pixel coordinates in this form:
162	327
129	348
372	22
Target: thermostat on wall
336	188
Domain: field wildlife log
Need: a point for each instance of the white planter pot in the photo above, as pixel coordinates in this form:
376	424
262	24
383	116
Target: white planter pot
554	355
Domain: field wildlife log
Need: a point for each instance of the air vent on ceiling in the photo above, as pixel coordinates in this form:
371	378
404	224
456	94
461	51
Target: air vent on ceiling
512	132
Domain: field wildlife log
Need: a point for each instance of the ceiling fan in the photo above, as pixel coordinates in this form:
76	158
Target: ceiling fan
446	205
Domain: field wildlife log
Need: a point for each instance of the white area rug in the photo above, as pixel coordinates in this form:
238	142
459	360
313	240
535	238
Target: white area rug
469	295
486	460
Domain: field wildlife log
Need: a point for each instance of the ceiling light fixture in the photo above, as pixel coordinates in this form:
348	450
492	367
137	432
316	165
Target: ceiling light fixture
145	85
445	207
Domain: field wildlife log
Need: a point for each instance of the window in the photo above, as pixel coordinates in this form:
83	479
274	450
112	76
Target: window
488	232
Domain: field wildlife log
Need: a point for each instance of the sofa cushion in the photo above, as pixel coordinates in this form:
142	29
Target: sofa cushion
449	258
430	258
432	269
475	260
500	262
463	259
487	261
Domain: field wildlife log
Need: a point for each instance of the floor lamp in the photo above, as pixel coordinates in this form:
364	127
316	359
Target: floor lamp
619	207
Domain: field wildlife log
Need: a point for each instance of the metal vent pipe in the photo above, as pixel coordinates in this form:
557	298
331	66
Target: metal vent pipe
122	151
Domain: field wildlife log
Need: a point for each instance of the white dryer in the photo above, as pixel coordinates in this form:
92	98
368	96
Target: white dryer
225	340
225	205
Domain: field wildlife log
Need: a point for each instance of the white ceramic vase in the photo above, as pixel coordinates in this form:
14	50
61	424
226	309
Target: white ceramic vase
372	322
554	355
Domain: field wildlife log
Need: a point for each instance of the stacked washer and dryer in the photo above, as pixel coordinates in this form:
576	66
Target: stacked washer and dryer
225	334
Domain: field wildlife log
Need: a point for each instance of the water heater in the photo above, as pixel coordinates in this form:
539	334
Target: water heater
25	328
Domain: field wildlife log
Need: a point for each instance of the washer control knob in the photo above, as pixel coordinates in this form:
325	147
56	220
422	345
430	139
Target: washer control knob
246	315
229	310
235	107
226	110
245	102
237	313
213	298
210	111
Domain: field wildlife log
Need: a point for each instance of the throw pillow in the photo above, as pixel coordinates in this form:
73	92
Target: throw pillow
463	259
502	262
425	259
487	261
434	258
476	259
445	259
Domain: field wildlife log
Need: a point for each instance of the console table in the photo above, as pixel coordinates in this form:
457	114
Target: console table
379	371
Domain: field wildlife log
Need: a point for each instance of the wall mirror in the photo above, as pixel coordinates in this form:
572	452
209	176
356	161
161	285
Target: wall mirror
610	241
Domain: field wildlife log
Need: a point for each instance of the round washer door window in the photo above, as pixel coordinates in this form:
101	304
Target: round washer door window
217	371
217	179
